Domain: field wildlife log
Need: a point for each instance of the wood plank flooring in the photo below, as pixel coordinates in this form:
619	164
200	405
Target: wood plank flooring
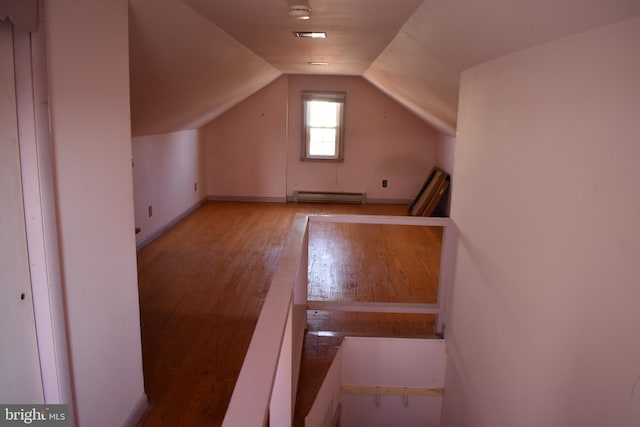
202	285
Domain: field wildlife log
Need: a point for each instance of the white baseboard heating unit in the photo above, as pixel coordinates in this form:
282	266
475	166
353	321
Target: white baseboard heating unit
329	197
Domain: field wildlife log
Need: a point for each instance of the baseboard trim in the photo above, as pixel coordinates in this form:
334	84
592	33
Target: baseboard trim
137	412
371	201
247	199
151	237
329	197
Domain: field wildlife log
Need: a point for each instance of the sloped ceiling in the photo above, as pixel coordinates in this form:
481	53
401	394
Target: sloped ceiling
421	67
184	69
193	59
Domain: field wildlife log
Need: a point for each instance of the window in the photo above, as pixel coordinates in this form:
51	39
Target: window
323	118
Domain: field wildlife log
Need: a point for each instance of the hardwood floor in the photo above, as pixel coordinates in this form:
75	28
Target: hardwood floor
202	285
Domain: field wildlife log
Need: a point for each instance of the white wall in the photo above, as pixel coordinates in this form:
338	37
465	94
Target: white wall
36	159
166	167
392	362
247	145
327	399
20	379
445	151
370	362
87	59
544	323
253	150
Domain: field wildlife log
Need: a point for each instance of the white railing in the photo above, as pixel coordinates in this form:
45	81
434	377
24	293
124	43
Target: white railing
267	384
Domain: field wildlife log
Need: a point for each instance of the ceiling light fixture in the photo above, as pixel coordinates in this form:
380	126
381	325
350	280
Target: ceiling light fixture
320	64
299	11
310	34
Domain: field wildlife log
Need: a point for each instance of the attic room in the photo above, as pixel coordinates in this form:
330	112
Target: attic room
530	106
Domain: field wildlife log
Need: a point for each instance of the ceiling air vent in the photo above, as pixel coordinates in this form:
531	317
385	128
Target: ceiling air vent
310	34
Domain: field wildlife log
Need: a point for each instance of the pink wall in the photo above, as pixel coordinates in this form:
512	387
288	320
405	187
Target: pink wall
166	167
382	140
246	147
543	327
88	77
253	150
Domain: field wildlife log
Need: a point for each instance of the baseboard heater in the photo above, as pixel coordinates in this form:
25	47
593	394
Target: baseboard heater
329	197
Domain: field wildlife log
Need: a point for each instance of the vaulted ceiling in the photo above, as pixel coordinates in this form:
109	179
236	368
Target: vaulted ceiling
191	60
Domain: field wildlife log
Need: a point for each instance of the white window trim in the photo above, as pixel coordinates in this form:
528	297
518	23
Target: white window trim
323	96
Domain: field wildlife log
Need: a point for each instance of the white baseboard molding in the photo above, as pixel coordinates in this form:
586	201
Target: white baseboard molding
372	201
247	199
151	237
329	197
137	412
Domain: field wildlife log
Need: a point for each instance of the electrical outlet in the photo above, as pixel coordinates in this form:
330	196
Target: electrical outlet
384	183
195	186
150	211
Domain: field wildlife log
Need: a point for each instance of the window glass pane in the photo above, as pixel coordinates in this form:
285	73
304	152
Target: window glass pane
323	116
322	142
323	113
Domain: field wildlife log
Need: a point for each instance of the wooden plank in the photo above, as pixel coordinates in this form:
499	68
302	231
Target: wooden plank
392	391
373	307
413	208
435	199
428	191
